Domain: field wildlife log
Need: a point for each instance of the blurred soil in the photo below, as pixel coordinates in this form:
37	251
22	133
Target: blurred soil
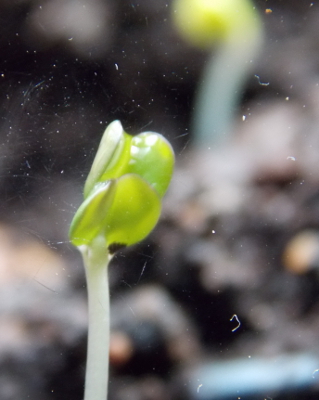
239	234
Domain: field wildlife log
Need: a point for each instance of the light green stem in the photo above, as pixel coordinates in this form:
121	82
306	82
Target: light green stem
222	85
96	260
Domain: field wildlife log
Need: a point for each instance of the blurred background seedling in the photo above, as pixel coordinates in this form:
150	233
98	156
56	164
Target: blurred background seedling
235	29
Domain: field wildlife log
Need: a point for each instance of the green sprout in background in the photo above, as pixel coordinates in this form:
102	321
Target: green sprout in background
236	28
122	204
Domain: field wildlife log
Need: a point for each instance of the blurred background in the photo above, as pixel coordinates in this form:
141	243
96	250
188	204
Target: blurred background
221	301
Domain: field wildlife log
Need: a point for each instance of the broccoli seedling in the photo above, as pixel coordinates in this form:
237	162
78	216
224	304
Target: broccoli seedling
235	26
122	204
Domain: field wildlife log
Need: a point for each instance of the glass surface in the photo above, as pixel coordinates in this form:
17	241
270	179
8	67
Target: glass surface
220	302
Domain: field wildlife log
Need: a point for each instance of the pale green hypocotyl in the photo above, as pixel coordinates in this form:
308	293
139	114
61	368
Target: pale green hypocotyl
122	204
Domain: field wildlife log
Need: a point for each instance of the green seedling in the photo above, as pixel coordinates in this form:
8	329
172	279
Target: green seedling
122	204
235	26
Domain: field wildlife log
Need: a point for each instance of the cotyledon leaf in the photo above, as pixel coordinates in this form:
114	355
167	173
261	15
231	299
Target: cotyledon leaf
111	158
205	22
89	220
148	154
123	210
134	212
152	158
